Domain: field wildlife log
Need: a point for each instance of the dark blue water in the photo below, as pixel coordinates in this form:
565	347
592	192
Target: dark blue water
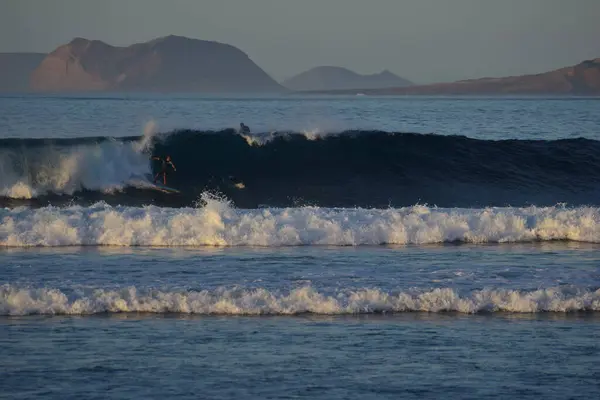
107	291
410	356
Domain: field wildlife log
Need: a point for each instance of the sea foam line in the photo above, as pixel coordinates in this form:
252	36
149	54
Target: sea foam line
219	224
16	300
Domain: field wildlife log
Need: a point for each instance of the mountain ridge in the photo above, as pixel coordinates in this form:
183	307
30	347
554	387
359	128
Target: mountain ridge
180	64
335	78
165	64
579	79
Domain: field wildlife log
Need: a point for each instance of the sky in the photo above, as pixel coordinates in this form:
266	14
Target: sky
422	40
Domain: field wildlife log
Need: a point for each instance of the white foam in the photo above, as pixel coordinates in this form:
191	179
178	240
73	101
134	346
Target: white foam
106	166
217	223
261	139
150	131
16	300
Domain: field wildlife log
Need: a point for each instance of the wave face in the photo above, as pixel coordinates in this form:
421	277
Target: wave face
15	300
353	168
218	224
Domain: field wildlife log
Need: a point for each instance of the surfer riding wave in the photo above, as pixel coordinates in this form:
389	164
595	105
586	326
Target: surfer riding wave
165	163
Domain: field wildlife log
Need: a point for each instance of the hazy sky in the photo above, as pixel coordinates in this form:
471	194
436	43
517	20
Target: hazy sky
421	40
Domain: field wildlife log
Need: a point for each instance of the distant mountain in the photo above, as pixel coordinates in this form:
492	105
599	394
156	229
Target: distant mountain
336	78
167	64
580	79
15	69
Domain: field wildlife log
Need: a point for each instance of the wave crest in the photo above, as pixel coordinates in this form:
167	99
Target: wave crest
16	300
217	223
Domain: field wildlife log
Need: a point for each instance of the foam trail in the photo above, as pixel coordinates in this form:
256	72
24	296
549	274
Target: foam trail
15	300
219	224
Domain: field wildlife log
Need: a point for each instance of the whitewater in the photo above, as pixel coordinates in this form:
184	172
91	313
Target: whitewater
65	167
15	300
217	223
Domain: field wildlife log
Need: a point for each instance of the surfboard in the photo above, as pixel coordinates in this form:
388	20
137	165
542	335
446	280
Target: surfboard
146	183
162	188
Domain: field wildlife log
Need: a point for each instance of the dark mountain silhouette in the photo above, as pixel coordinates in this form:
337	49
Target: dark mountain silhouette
15	69
580	79
167	64
335	78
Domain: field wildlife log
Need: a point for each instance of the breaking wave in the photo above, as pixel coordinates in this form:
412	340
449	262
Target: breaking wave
15	300
348	169
32	168
216	223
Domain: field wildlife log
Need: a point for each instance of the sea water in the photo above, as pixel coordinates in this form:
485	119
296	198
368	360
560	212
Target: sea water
106	292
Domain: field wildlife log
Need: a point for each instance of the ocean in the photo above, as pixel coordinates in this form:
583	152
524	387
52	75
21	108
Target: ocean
347	248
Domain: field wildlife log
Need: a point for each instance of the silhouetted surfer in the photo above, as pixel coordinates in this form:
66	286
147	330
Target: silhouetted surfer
244	128
165	162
